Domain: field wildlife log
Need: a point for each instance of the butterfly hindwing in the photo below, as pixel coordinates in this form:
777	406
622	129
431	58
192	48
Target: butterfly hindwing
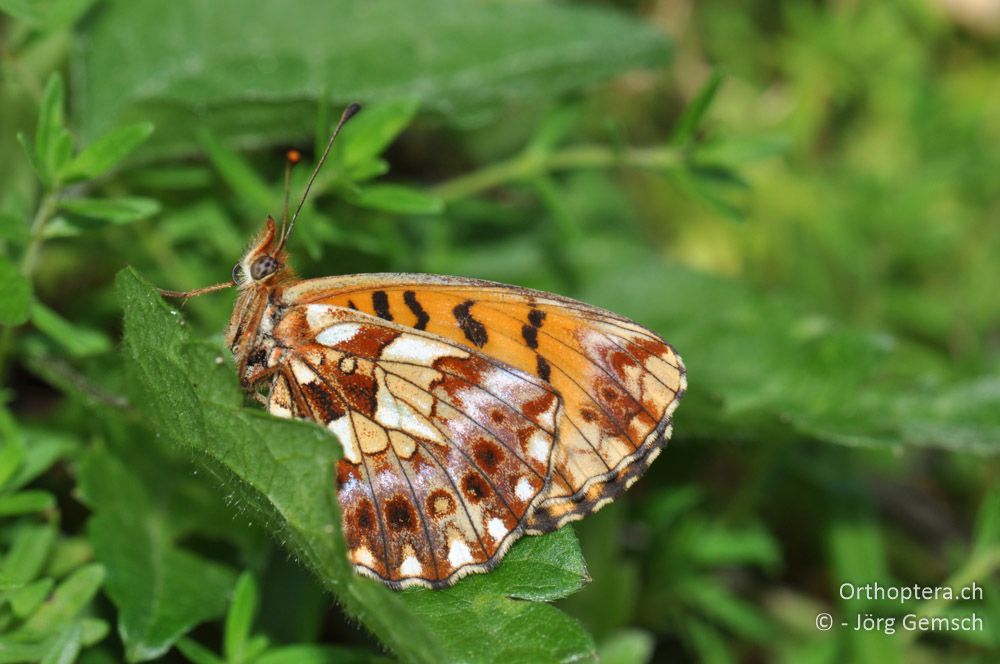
446	450
619	382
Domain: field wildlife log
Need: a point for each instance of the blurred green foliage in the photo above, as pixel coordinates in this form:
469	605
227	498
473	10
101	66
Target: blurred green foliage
802	197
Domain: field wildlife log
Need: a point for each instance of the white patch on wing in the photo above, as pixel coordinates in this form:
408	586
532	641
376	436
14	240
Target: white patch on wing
497	529
319	316
538	447
411	567
341	427
394	413
303	374
412	348
279	409
337	334
459	554
364	556
523	490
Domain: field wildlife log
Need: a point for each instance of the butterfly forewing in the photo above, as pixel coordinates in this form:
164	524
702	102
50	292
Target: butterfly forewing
446	450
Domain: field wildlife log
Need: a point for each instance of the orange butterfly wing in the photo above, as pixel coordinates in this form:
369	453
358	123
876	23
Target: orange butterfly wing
619	383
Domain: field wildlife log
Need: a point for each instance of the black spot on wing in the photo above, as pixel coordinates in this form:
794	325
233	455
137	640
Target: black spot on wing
410	298
536	317
473	329
380	300
530	335
543	369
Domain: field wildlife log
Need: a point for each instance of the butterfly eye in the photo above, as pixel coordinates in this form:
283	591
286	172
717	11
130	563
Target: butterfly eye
237	273
264	267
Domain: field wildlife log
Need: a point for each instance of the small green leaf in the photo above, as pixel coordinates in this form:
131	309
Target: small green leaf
103	154
15	294
26	502
373	130
75	340
691	119
631	646
66	647
29	553
197	653
42	447
10	458
239	620
237	173
398	199
36	161
53	143
71	596
113	210
30	597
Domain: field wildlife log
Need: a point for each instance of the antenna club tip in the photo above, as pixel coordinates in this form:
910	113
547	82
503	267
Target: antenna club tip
351	111
293	156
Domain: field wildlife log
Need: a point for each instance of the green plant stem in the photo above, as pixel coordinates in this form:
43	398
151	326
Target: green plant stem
46	208
531	164
45	211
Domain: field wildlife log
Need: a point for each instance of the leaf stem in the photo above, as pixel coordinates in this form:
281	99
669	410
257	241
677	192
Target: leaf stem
46	209
531	164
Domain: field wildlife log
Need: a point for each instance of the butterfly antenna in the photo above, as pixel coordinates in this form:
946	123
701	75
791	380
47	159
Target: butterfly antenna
348	113
198	291
292	157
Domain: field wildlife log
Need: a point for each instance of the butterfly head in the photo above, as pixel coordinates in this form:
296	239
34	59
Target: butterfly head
264	262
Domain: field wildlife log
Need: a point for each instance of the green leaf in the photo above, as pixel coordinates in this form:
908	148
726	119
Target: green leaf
10	458
113	210
372	131
398	199
53	142
75	340
71	596
632	646
37	163
26	502
282	469
42	447
15	294
28	553
197	653
103	154
691	119
26	600
239	620
161	591
66	647
455	57
237	172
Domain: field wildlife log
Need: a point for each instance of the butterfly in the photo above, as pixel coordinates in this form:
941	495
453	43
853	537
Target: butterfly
469	412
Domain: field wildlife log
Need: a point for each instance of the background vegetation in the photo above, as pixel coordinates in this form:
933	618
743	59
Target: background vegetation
801	196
